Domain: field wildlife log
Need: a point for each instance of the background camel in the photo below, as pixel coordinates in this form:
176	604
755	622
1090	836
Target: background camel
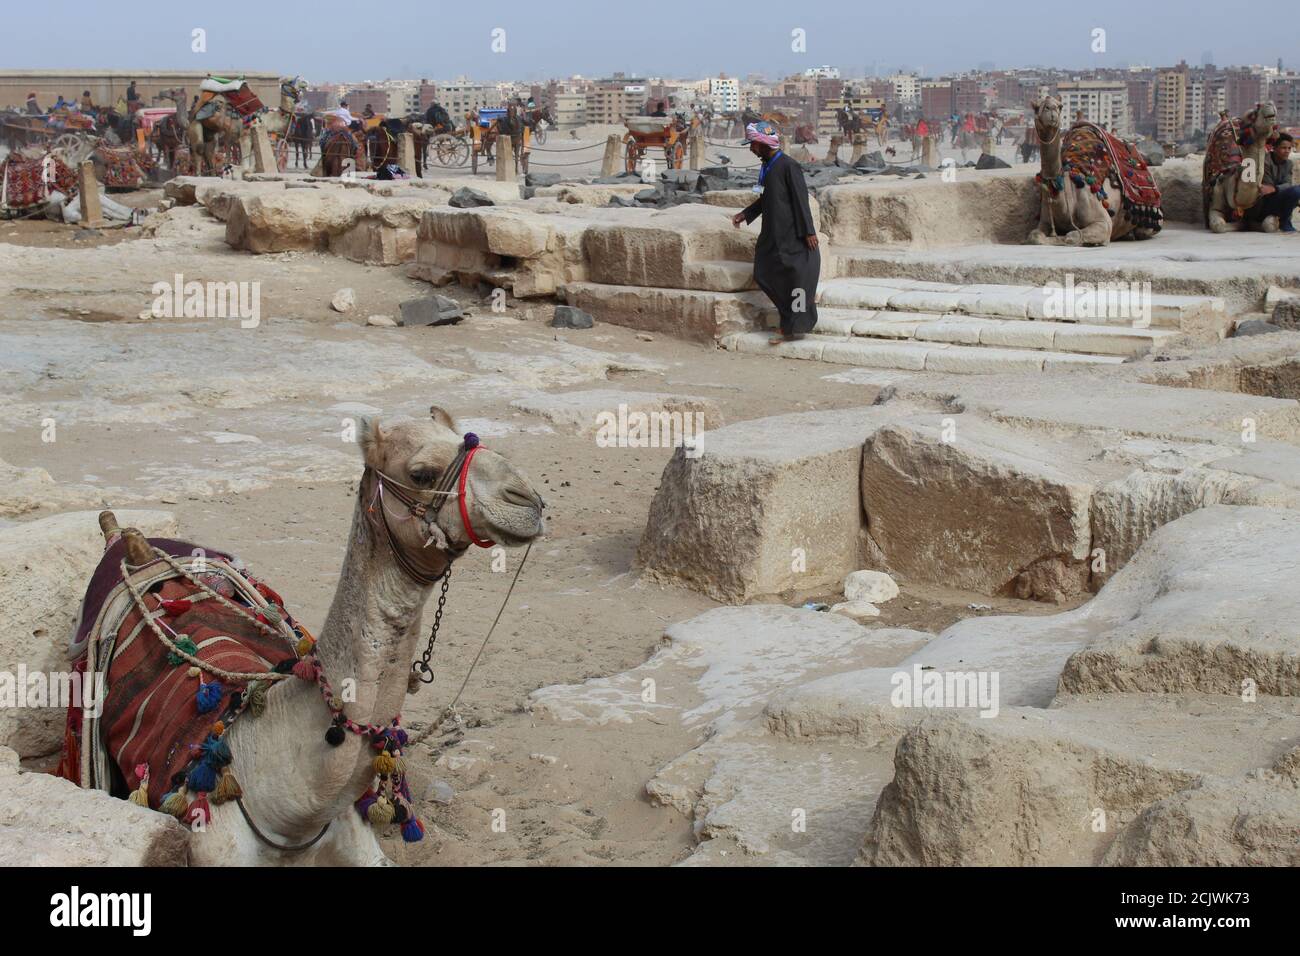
293	781
223	128
1233	168
1074	208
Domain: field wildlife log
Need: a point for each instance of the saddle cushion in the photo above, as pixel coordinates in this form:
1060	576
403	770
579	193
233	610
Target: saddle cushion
151	713
1091	157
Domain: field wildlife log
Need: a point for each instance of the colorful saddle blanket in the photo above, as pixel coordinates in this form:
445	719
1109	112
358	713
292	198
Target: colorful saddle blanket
1093	158
27	182
123	166
158	711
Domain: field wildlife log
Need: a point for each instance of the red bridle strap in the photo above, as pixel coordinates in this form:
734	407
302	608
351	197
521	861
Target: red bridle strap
464	508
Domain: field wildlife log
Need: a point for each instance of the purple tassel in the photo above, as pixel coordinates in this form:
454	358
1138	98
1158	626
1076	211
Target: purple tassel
471	440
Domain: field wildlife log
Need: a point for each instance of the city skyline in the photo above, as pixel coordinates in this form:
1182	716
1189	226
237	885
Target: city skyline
517	41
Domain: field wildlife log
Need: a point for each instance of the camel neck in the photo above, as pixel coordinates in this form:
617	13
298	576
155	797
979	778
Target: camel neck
1050	156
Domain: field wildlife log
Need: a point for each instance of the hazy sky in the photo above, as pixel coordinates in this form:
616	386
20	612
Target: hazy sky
327	40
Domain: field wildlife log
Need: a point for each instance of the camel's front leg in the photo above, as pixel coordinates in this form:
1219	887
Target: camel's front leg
1096	233
1219	222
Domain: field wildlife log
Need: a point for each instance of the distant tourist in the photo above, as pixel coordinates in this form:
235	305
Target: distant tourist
33	108
1278	192
132	98
87	106
787	262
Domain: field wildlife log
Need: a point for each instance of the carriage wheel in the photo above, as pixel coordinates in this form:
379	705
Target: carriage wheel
74	148
539	136
632	157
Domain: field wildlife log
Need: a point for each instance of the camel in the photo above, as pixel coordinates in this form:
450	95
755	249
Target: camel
222	128
1233	167
294	782
279	122
168	133
1074	209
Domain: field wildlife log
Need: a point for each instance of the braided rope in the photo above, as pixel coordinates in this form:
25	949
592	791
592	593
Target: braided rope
576	149
151	619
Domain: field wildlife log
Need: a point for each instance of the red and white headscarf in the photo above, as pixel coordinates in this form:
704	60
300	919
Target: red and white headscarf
763	132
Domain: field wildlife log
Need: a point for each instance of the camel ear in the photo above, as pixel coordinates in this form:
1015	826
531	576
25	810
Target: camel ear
443	417
1033	105
370	437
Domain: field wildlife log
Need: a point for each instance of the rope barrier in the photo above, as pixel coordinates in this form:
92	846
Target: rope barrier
576	149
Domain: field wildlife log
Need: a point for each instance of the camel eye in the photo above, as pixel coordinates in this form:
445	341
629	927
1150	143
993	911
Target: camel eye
424	477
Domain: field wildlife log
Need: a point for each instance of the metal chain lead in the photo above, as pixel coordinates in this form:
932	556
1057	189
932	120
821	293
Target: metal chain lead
421	672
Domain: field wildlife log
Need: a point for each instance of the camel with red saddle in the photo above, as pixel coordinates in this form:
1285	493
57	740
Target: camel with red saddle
289	767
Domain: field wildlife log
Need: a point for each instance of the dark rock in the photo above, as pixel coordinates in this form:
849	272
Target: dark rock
467	198
991	162
541	179
431	310
571	317
1256	327
649	195
723	171
681	177
622	201
530	192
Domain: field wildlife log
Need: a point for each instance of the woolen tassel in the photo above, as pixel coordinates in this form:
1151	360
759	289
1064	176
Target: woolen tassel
216	751
365	802
140	796
380	812
202	778
208	696
335	736
305	645
175	802
413	830
257	697
307	669
182	643
227	787
384	764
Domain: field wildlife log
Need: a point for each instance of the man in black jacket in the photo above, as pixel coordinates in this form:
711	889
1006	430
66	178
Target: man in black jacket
787	261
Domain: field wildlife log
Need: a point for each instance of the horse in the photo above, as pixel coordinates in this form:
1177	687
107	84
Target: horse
339	147
302	134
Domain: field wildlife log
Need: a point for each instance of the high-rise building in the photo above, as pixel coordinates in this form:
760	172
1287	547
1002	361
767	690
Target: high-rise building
1171	104
1104	102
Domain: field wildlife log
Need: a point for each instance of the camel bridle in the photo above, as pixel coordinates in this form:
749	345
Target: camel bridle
424	506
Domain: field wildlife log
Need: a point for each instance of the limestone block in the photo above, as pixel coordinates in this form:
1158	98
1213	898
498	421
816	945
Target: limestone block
768	507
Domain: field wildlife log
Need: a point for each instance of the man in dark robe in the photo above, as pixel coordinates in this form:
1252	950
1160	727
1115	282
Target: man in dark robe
787	262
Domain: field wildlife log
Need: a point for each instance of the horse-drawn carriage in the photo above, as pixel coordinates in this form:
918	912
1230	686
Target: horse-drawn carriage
69	133
645	133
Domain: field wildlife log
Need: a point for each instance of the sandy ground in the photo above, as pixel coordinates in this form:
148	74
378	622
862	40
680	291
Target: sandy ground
238	432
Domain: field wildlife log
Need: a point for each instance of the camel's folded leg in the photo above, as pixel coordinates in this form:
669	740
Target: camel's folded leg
1096	233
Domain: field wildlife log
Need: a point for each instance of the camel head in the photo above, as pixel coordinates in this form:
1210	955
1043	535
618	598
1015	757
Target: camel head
292	87
1262	121
175	93
1047	118
501	502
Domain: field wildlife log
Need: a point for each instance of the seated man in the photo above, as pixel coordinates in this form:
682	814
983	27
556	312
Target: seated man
1278	192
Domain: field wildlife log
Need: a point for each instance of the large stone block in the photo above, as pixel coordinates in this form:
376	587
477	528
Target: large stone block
48	821
978	507
768	507
44	568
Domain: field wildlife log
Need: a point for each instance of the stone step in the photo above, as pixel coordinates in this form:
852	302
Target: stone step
958	329
1180	312
912	356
